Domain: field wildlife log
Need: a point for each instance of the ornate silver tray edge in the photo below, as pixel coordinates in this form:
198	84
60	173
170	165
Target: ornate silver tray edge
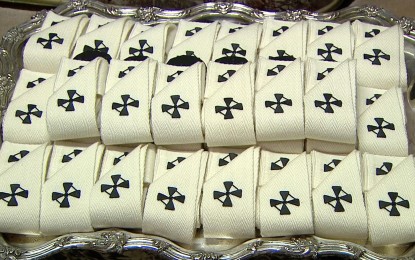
119	241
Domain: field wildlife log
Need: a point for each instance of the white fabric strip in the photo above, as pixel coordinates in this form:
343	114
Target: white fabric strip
229	198
25	119
267	69
272	29
285	201
219	158
365	31
228	114
184	147
383	131
316	29
328	147
72	109
98	21
271	164
228	27
11	153
284	146
188	29
338	202
176	109
44	50
317	70
137	29
125	111
381	60
65	195
322	165
366	97
52	19
167	159
20	193
28	80
390	206
172	203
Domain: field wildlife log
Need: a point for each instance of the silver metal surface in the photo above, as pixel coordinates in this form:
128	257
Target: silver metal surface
123	242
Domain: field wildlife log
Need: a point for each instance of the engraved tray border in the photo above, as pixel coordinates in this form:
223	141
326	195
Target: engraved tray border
120	241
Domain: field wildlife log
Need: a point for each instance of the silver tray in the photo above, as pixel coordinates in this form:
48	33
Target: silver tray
125	244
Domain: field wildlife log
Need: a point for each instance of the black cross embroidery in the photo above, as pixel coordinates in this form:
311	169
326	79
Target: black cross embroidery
122	73
48	43
74	71
26	116
126	102
277	105
191	32
90	53
282	205
370	101
282	55
340	195
17	156
392	206
63	198
11	198
279	31
232	30
168	201
174	163
384	169
372	33
230	190
330	101
324	30
378	129
32	84
225	76
119	158
377	55
227	159
173	110
112	189
235	55
327	54
173	76
140	54
323	74
68	157
276	70
328	167
279	164
55	23
226	110
73	97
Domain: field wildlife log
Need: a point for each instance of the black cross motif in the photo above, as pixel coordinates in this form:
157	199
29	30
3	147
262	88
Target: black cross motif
90	53
68	157
112	189
277	105
282	55
372	33
26	116
378	129
225	76
173	76
327	54
140	54
323	74
11	198
174	163
185	60
384	169
17	156
32	84
324	30
226	110
191	32
279	31
279	164
119	158
232	30
328	167
227	159
276	70
330	101
126	102
122	73
392	206
377	55
282	205
48	43
234	55
340	195
230	190
74	71
370	101
168	201
68	104
63	198
55	23
173	110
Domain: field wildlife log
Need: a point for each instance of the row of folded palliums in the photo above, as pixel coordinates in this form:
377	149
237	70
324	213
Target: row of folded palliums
226	193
